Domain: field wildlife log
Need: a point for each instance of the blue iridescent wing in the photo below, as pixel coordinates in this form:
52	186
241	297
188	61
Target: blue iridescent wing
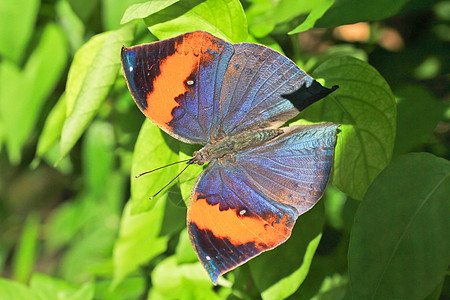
246	204
263	89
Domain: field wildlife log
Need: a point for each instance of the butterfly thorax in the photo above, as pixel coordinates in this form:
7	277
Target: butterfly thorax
231	145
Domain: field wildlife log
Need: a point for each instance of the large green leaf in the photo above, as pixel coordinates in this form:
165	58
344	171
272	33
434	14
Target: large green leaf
222	18
138	240
400	240
352	11
418	115
289	262
17	20
144	10
91	76
153	149
365	108
23	92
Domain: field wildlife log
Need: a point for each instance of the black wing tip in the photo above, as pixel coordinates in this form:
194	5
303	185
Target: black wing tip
319	91
307	95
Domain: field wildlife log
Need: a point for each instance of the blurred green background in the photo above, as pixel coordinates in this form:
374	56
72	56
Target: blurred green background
73	225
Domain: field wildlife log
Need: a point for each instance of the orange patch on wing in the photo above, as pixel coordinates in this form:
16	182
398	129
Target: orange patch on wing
239	230
168	85
174	71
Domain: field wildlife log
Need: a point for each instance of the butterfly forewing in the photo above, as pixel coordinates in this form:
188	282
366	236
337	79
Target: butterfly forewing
176	82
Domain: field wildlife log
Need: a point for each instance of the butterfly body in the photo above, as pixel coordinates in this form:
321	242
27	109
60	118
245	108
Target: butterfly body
232	99
231	145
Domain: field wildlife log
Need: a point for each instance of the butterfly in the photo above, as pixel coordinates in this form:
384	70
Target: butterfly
232	99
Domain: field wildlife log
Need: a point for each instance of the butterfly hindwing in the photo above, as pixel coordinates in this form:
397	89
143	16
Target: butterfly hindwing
229	222
295	168
176	82
243	206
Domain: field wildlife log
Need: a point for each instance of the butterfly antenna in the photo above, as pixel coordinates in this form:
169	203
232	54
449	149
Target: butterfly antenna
170	182
178	162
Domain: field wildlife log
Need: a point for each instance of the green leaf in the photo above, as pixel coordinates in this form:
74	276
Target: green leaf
365	108
334	201
14	290
85	292
153	149
91	76
63	224
290	261
29	88
185	252
353	11
144	10
129	288
10	81
188	178
113	10
174	213
46	287
333	52
332	288
138	240
222	18
265	15
72	26
400	240
170	280
53	127
84	8
17	20
26	251
436	293
98	156
95	238
260	22
418	115
320	7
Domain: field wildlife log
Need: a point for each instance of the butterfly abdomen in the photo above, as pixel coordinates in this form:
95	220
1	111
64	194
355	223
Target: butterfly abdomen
233	144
